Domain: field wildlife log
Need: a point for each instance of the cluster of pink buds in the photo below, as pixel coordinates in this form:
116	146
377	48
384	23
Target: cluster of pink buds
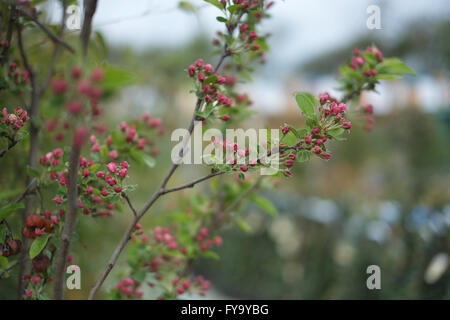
58	127
205	241
101	186
237	153
28	4
359	61
198	284
52	158
153	122
163	236
129	287
132	137
15	120
84	89
368	117
20	76
211	85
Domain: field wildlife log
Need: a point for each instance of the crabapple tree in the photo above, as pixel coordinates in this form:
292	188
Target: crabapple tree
77	165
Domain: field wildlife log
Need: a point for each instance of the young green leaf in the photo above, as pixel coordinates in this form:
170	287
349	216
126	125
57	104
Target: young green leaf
10	208
303	156
38	245
215	3
264	204
307	103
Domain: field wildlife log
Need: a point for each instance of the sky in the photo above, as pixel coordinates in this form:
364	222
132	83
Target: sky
301	29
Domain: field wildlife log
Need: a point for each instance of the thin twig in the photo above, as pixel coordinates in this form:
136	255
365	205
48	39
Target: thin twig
31	186
192	183
46	29
129	203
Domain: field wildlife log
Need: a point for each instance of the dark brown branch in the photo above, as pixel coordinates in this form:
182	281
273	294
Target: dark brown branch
5	51
33	112
89	10
55	38
69	223
72	188
11	145
193	183
30	188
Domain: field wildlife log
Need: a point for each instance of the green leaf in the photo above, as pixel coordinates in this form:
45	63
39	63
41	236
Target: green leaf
307	103
264	204
10	208
32	172
116	78
148	160
394	66
215	3
187	6
3	262
303	156
221	19
38	245
241	176
243	225
301	133
3	232
211	254
233	8
336	132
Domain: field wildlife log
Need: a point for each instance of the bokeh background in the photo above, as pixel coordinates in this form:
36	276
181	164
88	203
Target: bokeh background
383	199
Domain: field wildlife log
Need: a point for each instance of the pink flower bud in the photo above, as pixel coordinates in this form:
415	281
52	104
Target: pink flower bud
191	70
58	200
97	75
113	154
80	136
112	167
100	174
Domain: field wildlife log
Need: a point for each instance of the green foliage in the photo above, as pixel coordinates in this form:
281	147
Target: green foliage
307	103
38	245
9	209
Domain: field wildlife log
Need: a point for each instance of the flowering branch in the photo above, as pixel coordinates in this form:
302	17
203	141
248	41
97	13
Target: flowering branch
69	225
161	189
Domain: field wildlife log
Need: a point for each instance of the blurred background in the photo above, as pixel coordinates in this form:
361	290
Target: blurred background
383	199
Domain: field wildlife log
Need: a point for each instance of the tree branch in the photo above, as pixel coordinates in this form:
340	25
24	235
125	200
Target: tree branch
69	223
33	112
192	184
71	216
5	51
89	10
161	189
46	29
